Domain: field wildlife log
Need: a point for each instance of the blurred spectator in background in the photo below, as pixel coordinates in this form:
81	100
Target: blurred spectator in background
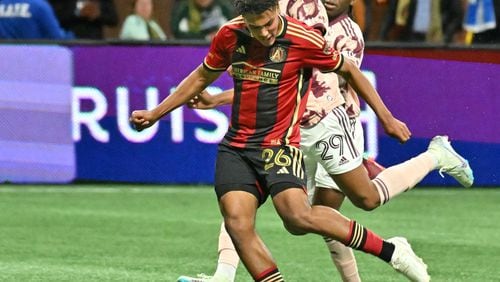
359	13
86	18
413	21
481	23
140	25
375	12
421	20
200	19
452	15
397	20
29	19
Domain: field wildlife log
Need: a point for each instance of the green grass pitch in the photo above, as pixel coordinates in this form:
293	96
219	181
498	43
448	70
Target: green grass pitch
152	233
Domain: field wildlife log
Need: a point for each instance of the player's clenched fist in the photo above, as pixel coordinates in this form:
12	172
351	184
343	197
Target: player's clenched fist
397	129
142	119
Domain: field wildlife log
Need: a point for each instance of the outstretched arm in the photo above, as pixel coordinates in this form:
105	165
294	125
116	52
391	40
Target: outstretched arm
205	100
193	84
392	126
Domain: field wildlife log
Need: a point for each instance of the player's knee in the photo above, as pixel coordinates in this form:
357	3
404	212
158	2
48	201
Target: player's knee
294	230
366	203
297	223
236	227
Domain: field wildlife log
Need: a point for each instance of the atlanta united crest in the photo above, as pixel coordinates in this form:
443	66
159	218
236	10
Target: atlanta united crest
277	54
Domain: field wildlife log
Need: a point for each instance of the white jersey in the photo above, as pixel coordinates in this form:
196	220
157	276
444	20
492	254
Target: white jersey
311	12
344	35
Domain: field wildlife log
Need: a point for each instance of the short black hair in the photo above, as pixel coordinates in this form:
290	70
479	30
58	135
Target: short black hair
253	6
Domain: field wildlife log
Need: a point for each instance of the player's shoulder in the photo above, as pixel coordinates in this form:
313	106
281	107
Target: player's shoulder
346	24
228	31
301	32
234	24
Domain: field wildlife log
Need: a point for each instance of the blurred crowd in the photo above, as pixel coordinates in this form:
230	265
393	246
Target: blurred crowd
431	21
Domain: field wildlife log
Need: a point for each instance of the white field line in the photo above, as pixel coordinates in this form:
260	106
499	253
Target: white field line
105	190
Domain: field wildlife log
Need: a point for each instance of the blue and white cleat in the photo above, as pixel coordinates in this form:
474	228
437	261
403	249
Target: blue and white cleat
450	162
199	278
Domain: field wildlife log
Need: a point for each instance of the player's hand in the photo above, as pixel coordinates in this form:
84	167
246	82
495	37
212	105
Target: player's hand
202	101
141	119
397	129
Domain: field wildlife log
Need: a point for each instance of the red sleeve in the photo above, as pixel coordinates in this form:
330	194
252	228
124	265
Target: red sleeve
221	50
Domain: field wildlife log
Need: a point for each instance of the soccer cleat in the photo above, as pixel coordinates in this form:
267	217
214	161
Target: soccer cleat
202	278
450	162
199	278
405	261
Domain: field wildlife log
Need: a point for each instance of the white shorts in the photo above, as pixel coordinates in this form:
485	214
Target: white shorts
336	143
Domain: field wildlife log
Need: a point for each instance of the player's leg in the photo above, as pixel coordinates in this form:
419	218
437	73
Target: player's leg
227	262
239	210
369	194
327	193
300	218
342	256
354	179
240	223
317	182
228	257
345	164
337	144
240	194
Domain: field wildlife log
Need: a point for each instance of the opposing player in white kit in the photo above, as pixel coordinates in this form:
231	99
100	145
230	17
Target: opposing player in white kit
332	136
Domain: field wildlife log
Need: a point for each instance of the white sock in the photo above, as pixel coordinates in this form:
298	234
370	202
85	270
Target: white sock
228	257
399	178
344	260
225	270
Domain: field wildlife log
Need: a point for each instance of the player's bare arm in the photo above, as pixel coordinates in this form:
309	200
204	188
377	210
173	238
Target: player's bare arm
193	84
392	126
205	100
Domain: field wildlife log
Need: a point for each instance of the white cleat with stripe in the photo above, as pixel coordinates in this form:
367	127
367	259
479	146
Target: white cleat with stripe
450	162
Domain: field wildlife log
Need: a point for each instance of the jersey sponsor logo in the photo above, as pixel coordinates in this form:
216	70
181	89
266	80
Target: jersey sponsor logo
283	170
246	71
277	54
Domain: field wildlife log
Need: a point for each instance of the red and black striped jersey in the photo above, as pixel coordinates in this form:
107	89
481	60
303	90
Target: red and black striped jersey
270	83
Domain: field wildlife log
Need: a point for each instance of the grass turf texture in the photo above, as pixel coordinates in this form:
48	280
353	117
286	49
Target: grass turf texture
153	233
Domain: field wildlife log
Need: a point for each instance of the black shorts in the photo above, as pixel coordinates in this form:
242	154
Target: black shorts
259	171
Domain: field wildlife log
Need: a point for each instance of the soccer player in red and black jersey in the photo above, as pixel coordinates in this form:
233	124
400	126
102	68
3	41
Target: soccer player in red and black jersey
272	57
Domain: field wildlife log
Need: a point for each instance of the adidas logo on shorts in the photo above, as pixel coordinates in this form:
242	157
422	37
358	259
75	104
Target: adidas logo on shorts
343	161
241	50
283	170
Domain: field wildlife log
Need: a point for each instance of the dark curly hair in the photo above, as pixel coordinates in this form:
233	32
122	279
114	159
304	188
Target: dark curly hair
253	6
